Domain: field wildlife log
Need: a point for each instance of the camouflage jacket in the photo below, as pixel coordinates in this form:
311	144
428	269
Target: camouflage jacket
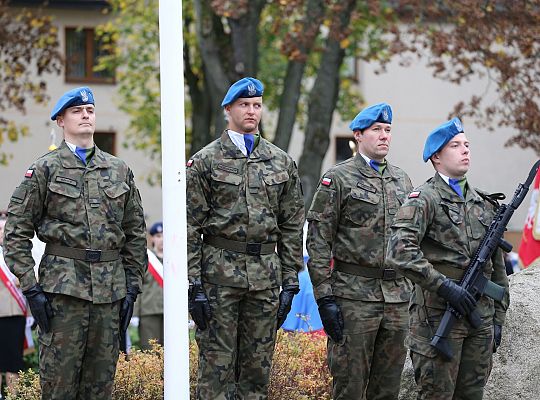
248	199
349	220
436	229
67	203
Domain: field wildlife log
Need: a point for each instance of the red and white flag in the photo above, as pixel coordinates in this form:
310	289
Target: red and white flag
529	249
155	267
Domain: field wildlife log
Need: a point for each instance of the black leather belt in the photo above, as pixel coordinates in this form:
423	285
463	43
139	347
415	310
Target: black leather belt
89	255
253	249
386	274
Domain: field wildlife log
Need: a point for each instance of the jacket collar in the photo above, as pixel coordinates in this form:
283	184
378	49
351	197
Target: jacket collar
68	159
389	172
448	193
261	153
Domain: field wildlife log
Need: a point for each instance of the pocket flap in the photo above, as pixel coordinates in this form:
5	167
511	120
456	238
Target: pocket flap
277	178
65	189
226	177
421	345
117	190
19	195
365	195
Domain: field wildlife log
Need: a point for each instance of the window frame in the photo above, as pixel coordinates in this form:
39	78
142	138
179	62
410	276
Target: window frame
89	38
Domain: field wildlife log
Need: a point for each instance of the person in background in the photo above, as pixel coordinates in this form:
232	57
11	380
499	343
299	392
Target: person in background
12	320
149	305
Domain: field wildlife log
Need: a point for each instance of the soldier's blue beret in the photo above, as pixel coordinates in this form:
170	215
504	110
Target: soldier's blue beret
440	136
156	228
72	98
380	112
245	87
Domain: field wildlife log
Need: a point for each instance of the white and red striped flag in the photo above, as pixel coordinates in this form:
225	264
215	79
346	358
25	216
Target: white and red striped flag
155	267
529	249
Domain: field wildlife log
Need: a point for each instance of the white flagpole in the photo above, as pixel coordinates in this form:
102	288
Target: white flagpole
174	199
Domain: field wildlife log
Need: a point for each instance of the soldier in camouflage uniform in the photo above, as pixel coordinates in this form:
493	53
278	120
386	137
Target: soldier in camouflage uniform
149	305
83	203
245	215
434	236
362	301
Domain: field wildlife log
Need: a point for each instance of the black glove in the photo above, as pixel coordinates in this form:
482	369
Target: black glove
198	305
459	298
331	317
285	302
497	337
126	310
40	307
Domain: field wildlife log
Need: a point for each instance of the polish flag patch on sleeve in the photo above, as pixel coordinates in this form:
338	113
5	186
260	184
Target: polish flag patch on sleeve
189	163
414	195
326	181
29	173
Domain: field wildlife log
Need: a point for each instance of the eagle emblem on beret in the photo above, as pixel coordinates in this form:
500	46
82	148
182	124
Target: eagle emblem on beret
251	89
84	95
458	125
385	114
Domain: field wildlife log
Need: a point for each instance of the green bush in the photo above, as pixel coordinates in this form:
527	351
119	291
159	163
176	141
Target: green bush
299	372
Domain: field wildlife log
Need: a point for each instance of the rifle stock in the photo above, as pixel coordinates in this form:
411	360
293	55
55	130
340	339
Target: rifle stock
474	280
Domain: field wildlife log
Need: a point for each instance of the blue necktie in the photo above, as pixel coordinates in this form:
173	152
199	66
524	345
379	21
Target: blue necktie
81	153
249	140
374	164
454	184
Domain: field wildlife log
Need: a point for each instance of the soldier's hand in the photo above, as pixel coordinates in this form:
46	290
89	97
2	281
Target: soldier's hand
39	306
497	337
285	302
459	298
331	317
126	310
198	305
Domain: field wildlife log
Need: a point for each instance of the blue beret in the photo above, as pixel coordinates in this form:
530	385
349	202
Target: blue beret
380	112
245	87
440	136
156	228
72	98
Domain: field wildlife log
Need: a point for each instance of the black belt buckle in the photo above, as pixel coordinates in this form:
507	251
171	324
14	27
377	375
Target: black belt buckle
253	249
92	255
389	274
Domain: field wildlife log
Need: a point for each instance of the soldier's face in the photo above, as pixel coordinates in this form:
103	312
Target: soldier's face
454	159
157	241
78	121
374	142
245	114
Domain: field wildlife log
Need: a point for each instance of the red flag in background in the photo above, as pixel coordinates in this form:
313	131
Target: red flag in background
529	249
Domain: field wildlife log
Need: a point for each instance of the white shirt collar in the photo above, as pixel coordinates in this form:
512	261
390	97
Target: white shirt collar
238	140
71	146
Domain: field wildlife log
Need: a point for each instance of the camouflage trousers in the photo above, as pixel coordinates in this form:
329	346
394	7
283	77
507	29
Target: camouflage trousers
235	351
77	358
466	374
150	327
369	361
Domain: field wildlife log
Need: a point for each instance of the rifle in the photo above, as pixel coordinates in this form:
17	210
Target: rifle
474	280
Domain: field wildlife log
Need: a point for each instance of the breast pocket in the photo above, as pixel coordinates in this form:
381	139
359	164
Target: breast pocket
64	201
115	201
362	207
225	189
274	184
454	213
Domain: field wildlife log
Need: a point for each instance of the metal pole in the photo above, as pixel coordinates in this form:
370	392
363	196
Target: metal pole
174	199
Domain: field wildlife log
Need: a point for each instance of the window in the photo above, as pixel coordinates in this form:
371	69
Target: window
345	148
82	52
106	141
